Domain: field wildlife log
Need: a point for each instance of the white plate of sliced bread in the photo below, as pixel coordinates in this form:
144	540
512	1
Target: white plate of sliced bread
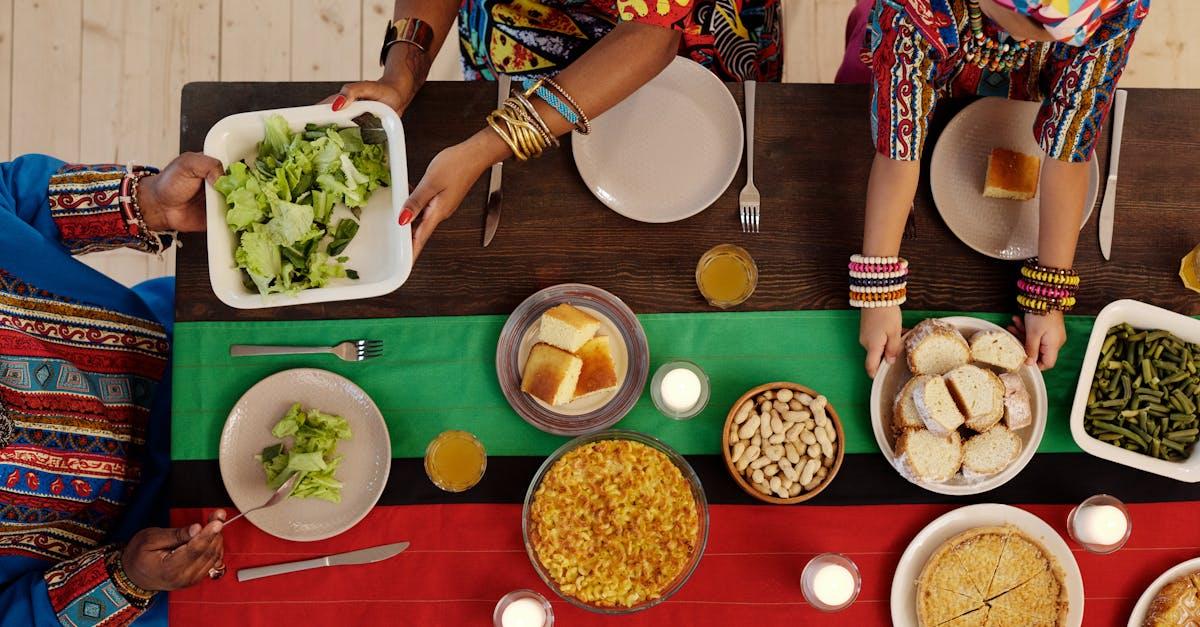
959	412
572	359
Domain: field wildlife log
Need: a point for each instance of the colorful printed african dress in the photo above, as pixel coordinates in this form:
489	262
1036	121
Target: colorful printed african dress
84	437
913	48
1070	21
736	39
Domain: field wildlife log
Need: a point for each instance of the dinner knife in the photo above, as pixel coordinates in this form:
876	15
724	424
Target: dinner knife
1110	189
491	218
361	556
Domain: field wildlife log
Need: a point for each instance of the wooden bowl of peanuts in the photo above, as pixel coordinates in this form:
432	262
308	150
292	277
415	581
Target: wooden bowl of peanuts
782	443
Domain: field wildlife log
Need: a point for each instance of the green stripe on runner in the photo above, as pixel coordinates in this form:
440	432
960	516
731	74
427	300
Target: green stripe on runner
439	373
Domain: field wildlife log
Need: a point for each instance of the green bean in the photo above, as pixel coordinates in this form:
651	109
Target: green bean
1123	431
1183	434
1174	445
1155	446
1110	344
1109	437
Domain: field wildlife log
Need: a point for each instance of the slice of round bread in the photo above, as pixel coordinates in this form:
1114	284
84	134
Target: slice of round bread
1018	408
904	410
935	347
997	348
930	457
989	453
979	394
936	407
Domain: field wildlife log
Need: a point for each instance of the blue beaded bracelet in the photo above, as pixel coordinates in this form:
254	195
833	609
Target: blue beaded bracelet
551	99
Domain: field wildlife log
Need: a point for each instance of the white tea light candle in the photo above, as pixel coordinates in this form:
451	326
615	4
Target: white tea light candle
1102	525
680	389
526	612
833	584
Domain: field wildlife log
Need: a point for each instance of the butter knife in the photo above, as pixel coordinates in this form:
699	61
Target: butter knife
361	556
1110	189
491	218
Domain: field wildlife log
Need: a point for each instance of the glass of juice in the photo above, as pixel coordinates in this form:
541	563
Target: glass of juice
1189	270
455	461
726	275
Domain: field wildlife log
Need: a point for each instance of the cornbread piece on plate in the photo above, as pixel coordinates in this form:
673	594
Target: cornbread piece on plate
598	374
997	348
1042	600
566	327
930	457
979	552
979	394
613	523
936	406
551	374
1178	603
1022	560
935	347
1018	409
1012	175
989	453
904	410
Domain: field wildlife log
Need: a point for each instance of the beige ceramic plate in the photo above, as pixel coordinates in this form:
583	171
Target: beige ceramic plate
620	356
668	151
364	470
922	547
1004	229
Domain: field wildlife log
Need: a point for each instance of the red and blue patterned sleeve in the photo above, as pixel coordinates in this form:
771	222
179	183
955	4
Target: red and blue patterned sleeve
903	66
87	208
1080	83
79	592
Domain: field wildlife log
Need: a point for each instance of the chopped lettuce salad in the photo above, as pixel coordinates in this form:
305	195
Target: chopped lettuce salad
281	204
313	454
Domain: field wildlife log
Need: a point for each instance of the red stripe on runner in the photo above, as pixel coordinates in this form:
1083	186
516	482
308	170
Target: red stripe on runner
465	557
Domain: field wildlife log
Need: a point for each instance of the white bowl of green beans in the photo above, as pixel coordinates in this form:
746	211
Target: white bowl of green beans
1138	399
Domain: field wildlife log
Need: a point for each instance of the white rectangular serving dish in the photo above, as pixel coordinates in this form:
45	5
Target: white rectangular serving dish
381	252
1140	316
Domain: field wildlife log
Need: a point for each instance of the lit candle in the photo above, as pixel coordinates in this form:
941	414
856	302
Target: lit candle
833	585
525	612
680	389
1101	525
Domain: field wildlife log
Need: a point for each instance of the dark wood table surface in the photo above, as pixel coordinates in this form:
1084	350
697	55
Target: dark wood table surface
813	156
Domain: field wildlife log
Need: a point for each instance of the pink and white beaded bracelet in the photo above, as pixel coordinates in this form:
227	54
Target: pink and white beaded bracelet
878	281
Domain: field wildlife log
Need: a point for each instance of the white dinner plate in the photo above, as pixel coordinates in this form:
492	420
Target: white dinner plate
892	377
996	227
666	152
950	524
1143	604
367	455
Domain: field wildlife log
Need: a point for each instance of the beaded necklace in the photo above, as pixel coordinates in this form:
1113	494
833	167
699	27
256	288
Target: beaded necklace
7	430
1004	55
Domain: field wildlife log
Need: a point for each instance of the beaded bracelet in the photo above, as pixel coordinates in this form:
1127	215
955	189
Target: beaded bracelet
536	88
135	594
877	281
131	211
1042	289
584	126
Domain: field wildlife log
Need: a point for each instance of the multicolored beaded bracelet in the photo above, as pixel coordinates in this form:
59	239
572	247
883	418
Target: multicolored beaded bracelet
536	88
1042	289
877	281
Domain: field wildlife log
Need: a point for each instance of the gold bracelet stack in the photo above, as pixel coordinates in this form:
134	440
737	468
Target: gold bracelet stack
520	126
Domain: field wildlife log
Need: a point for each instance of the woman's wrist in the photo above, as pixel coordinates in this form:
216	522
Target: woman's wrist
407	67
487	148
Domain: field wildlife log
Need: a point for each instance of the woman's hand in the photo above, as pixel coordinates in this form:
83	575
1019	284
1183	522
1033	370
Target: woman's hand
169	559
879	332
173	200
446	181
1043	334
407	68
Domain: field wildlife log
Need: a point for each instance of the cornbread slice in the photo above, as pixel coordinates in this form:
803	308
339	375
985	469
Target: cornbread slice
997	348
977	618
943	572
1178	603
989	453
979	554
566	327
936	406
930	457
979	394
1005	616
935	347
904	410
936	606
1012	175
1022	560
1042	600
1018	409
598	375
551	374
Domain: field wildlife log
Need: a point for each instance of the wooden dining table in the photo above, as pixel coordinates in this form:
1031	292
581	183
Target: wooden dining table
813	158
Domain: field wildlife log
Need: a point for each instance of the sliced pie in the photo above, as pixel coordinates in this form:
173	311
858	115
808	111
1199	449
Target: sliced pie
979	554
1022	560
1005	617
937	606
1041	600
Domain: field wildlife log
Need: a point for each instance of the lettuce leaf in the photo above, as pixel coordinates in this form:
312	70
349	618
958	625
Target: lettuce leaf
313	453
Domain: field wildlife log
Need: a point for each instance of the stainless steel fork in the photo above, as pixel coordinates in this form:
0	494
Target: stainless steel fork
749	201
352	350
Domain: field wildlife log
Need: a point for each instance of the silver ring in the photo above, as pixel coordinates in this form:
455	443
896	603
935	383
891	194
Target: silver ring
216	572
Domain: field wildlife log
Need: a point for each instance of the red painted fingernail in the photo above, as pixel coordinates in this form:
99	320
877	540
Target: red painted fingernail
338	103
406	216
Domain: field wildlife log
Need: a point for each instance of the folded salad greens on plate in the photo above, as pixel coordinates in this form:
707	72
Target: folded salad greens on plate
281	204
313	454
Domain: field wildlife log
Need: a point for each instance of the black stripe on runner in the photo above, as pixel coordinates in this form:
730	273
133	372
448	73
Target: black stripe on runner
865	479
